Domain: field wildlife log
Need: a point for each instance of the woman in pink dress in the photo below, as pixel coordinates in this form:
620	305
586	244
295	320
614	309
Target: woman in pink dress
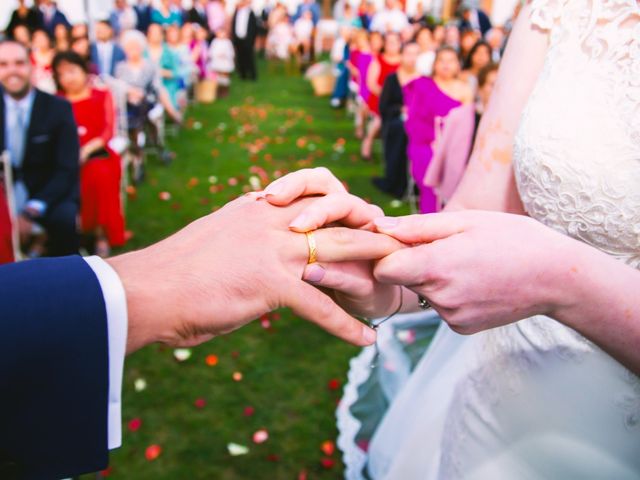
428	101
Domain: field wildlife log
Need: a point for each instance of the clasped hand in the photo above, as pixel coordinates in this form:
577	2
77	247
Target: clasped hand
224	270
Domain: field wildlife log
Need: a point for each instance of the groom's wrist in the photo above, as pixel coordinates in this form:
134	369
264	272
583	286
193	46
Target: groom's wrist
147	298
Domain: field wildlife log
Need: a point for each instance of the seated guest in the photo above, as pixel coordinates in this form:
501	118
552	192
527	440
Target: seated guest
106	53
21	34
427	45
468	39
167	67
176	68
166	14
428	101
61	38
143	14
200	50
496	40
101	215
390	19
392	112
303	33
50	17
123	17
41	135
280	36
42	53
308	6
82	47
79	30
142	89
22	15
478	58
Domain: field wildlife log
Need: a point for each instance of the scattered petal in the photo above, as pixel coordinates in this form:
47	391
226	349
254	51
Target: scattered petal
233	181
135	424
164	196
334	384
139	384
327	463
248	411
213	179
272	457
260	436
395	203
152	452
182	354
200	403
302	475
237	376
328	448
211	360
236	449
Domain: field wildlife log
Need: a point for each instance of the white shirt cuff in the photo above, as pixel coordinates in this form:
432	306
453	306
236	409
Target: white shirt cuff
117	323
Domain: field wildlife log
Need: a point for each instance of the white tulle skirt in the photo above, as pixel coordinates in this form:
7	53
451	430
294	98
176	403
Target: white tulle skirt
533	400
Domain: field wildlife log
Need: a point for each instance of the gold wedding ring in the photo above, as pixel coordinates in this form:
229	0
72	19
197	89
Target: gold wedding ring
313	249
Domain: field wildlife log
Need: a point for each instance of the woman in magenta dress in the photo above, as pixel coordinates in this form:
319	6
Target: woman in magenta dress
100	204
428	101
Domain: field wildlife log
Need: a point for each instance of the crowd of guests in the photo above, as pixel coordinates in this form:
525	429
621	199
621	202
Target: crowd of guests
419	86
125	76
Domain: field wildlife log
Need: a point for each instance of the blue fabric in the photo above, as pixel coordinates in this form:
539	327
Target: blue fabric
54	369
117	56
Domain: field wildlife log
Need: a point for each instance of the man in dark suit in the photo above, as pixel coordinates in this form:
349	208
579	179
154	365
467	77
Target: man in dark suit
105	53
40	133
143	11
66	323
51	17
475	19
197	14
243	35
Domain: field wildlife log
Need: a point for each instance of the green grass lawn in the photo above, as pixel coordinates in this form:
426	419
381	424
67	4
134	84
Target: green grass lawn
286	368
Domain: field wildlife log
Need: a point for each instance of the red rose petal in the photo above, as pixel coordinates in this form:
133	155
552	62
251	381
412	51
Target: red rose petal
328	448
211	360
334	384
200	403
249	411
152	452
327	463
135	424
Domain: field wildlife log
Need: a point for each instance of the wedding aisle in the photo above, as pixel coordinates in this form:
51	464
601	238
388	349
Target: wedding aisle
259	403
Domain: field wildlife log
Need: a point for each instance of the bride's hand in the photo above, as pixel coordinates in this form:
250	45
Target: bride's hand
351	284
478	269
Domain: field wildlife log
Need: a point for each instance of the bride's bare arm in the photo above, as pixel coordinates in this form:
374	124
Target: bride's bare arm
488	183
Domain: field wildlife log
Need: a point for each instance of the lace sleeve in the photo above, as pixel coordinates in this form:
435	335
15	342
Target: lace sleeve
545	12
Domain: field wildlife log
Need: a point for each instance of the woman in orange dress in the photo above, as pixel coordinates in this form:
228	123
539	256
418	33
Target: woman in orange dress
100	203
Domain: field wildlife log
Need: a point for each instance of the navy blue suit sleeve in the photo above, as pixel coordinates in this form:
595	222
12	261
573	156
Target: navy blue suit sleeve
54	369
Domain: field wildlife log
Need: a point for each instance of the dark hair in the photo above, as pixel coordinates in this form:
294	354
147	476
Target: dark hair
479	44
445	48
106	22
484	72
68	56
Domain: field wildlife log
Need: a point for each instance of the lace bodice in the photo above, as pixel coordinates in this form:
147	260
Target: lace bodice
577	150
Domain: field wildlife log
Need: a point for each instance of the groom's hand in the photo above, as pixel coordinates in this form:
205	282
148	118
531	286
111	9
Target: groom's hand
228	268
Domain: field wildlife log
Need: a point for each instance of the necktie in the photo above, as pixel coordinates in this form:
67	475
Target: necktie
18	134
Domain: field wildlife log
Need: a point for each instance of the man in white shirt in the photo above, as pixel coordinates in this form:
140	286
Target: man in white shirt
391	19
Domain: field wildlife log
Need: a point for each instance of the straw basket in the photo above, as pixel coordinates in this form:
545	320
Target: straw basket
206	91
323	84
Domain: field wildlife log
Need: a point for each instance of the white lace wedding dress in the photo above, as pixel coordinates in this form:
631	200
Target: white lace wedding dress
535	400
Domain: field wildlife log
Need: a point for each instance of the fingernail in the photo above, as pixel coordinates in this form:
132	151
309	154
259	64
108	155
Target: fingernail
368	335
313	273
273	189
300	222
386	222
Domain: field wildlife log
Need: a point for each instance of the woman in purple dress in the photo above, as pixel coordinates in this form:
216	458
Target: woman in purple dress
428	101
